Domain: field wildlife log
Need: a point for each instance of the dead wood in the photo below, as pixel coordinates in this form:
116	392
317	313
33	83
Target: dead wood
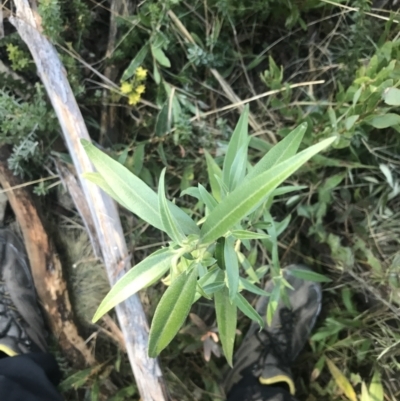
46	267
130	313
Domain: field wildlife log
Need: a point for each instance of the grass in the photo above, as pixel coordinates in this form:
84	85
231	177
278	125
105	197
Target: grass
292	65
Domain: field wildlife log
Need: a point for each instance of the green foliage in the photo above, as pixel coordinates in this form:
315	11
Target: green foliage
339	214
19	118
18	58
172	311
369	102
191	251
52	21
23	124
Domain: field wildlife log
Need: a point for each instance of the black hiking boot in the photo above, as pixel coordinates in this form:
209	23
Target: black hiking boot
21	322
267	355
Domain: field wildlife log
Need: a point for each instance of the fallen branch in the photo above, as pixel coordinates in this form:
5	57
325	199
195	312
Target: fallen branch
46	267
130	313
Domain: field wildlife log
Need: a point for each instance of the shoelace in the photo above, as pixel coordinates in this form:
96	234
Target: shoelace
279	341
11	313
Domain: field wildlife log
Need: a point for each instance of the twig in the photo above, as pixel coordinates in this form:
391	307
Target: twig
333	3
130	313
251	99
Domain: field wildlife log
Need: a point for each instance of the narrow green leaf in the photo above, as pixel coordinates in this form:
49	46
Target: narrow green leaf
220	253
160	56
156	74
125	393
247	266
210	289
207	198
239	203
226	321
238	168
287	189
187	177
170	225
253	288
245	234
172	311
138	158
242	303
376	389
133	193
163	124
282	151
391	96
213	275
78	379
140	276
350	121
238	142
192	191
95	390
332	118
357	95
98	179
201	293
281	226
364	393
273	302
384	121
310	275
135	63
232	267
213	171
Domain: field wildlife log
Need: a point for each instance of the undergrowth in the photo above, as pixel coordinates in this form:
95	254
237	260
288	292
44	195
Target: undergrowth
344	224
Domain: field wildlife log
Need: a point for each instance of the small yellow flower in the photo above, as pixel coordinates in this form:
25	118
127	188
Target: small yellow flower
141	73
133	98
126	87
140	89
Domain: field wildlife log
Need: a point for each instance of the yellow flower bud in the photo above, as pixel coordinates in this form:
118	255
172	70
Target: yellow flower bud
140	89
141	73
126	88
133	98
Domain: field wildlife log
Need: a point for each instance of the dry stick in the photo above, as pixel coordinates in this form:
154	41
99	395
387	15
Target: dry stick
130	313
45	266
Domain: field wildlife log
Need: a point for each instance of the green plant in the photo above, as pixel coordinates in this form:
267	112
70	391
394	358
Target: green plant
18	58
205	261
52	21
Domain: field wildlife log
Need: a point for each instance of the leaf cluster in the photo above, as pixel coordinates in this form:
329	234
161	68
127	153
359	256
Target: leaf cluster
204	257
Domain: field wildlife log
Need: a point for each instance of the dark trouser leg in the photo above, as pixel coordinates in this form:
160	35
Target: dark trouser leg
250	389
29	377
